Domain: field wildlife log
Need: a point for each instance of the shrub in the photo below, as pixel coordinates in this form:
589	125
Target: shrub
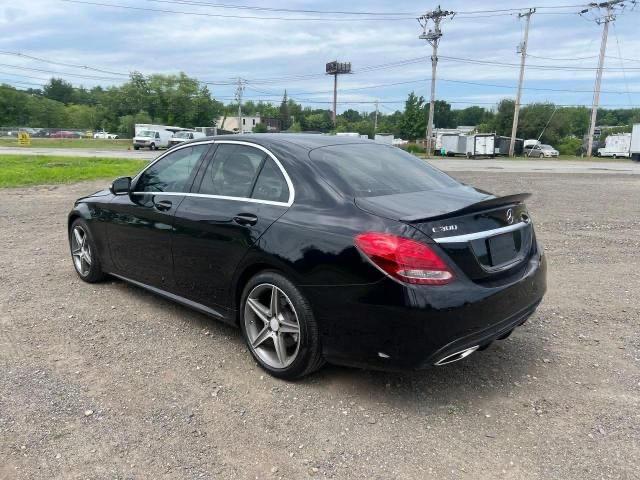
570	146
414	148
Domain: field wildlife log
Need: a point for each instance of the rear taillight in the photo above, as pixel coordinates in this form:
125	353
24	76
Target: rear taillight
404	259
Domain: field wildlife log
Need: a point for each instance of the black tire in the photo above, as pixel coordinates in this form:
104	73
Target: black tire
309	354
152	146
136	147
94	272
541	155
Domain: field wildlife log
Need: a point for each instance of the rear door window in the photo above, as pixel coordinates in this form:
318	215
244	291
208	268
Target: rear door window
365	170
271	184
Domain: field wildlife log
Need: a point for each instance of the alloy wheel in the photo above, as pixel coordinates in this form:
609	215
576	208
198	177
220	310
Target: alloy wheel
272	326
81	251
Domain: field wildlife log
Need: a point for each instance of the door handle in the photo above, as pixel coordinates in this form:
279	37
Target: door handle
245	219
163	205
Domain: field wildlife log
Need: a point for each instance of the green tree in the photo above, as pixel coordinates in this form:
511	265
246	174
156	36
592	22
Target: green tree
285	113
260	128
59	90
413	124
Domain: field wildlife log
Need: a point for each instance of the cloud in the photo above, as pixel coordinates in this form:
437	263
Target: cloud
222	49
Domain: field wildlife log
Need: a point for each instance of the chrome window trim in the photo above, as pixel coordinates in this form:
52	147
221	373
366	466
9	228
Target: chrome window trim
478	235
287	179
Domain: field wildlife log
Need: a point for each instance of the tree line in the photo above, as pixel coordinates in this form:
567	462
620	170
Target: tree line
183	101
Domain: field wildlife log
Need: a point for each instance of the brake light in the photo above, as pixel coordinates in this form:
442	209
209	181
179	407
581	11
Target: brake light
404	259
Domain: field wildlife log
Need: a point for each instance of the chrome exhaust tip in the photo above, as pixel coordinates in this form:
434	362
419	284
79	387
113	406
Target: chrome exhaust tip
454	357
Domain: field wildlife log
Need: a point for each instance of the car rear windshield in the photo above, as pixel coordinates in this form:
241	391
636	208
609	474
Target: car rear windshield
365	170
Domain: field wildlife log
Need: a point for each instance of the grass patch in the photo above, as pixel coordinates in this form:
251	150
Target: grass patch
25	170
99	143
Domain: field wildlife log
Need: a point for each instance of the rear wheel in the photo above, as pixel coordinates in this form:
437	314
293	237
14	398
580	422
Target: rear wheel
84	253
279	327
136	147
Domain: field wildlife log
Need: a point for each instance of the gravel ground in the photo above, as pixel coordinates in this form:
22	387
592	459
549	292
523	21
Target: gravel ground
108	381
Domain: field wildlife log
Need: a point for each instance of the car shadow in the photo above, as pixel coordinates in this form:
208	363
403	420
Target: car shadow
489	374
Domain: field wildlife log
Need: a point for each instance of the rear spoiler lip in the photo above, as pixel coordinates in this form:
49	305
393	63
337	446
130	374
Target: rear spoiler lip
474	207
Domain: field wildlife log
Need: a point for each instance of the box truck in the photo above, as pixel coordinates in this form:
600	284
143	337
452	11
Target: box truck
616	145
152	136
634	150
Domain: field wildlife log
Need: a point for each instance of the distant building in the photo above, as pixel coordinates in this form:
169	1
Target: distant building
248	123
232	123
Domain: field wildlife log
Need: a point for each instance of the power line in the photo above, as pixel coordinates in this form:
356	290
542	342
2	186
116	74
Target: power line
624	74
221	15
536	66
287	10
83	67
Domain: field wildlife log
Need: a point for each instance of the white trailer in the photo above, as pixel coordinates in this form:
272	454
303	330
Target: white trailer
634	150
617	145
481	145
454	144
386	138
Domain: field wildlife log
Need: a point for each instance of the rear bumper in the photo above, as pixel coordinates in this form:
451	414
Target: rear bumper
387	325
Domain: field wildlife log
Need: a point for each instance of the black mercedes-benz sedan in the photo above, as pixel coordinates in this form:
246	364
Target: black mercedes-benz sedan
320	248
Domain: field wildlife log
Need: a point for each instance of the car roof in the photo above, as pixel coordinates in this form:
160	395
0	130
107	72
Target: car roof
303	140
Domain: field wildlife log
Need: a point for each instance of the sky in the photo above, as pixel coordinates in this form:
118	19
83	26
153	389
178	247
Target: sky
287	48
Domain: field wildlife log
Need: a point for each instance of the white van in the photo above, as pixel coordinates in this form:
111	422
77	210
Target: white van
183	136
151	139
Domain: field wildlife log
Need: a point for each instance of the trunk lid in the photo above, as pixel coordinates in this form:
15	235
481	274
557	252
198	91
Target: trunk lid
486	236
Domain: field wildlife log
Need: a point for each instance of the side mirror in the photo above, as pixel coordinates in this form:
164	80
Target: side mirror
121	186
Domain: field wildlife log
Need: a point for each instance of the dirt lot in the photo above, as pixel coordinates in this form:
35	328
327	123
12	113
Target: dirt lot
108	381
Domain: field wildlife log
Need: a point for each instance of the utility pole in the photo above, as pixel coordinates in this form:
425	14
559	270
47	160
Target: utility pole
608	17
239	92
375	122
523	52
336	68
433	38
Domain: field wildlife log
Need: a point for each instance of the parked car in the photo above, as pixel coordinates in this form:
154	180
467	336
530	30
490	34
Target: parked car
540	151
320	248
65	134
105	135
183	136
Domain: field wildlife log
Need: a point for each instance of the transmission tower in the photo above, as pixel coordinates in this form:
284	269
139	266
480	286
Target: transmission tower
523	52
239	92
432	36
604	20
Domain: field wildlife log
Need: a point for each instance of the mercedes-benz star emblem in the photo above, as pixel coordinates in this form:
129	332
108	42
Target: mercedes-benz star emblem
510	216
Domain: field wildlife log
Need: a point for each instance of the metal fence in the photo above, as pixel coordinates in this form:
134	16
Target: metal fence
12	132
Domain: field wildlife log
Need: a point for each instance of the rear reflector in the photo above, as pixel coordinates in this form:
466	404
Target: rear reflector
404	259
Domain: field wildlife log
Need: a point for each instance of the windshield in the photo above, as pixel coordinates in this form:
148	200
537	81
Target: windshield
182	135
546	147
147	133
364	170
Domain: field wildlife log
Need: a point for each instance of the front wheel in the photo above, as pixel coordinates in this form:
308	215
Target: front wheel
279	327
84	253
541	155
